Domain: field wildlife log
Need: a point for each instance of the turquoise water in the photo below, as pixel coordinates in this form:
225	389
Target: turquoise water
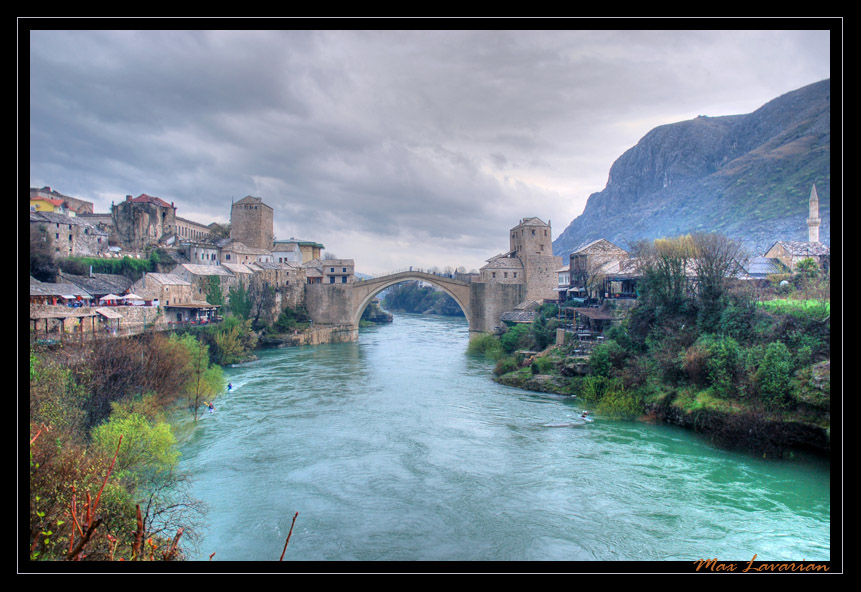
400	447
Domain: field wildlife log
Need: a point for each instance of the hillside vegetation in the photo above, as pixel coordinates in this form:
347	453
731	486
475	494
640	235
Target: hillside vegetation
710	355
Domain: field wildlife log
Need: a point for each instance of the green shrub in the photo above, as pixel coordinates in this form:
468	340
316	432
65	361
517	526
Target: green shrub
599	361
506	365
542	365
517	337
723	364
486	345
774	376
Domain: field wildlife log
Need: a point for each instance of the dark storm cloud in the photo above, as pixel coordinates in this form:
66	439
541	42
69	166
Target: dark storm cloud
402	139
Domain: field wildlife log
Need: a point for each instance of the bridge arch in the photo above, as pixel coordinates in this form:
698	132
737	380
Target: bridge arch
365	290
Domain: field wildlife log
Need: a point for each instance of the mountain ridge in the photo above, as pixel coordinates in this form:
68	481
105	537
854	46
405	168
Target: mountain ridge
745	176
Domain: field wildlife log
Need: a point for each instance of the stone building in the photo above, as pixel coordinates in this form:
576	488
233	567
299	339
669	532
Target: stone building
789	253
233	251
296	251
142	221
506	268
203	277
529	261
176	296
590	266
190	230
252	223
200	252
68	236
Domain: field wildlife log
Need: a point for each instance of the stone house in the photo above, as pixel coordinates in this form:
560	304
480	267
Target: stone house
202	277
233	251
505	268
176	296
200	252
338	271
589	266
68	236
789	253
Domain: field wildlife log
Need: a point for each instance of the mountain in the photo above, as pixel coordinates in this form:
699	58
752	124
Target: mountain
747	177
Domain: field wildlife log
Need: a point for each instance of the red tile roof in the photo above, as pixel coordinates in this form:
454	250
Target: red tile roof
144	198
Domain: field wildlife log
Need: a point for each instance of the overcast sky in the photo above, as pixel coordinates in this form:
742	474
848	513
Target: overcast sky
394	148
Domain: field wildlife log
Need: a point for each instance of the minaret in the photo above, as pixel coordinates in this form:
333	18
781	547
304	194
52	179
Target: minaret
813	220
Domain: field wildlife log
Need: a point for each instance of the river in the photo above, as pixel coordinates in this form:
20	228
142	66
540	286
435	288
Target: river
400	447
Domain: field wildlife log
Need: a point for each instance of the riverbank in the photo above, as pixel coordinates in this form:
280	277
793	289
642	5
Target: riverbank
731	425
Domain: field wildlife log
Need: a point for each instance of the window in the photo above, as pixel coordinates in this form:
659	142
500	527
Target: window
505	274
332	270
332	279
344	270
343	279
493	274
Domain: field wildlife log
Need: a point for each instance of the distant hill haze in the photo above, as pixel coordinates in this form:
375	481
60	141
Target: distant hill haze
747	177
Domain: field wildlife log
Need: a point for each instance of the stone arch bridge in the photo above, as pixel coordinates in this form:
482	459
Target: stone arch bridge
343	304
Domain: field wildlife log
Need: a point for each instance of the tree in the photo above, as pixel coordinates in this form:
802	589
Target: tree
666	266
203	380
717	259
240	302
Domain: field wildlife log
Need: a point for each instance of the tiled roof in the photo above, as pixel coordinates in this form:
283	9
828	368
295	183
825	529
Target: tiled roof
166	279
144	198
197	269
803	248
48	289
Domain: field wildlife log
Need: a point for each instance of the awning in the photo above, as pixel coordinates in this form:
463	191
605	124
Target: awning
108	313
110	297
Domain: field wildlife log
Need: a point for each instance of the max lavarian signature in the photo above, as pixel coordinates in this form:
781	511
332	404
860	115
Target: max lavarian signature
754	566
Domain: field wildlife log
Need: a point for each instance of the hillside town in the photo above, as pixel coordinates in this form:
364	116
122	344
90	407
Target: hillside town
209	264
206	264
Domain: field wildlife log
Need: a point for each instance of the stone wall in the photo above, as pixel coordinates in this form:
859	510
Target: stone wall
329	304
541	277
489	300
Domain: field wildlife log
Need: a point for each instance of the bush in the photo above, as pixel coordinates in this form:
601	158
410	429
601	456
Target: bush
506	365
486	345
723	364
542	365
517	337
599	361
773	379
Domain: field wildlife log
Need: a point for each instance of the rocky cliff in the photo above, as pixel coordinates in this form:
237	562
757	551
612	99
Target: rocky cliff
745	176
